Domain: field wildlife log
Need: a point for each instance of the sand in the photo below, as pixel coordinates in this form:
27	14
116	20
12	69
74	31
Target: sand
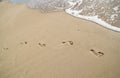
55	45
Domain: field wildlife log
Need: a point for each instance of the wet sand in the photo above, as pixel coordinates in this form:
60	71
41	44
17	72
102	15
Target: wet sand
55	45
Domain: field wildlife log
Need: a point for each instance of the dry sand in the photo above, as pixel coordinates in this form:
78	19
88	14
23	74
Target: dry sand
55	45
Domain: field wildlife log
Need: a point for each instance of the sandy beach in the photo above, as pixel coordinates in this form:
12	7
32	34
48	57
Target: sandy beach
55	45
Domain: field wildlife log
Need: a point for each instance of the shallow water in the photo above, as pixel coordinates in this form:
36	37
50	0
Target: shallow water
104	12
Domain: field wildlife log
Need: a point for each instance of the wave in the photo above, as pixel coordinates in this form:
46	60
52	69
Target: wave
104	12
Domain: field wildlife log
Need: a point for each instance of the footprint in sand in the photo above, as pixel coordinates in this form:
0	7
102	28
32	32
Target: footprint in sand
98	54
42	44
68	42
5	49
25	42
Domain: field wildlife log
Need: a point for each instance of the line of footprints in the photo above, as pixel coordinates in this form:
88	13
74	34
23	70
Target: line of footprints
96	53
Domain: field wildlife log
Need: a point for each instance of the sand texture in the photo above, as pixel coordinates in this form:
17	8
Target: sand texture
55	45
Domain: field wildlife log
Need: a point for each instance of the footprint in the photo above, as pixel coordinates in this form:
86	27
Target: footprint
68	42
5	49
42	45
25	42
99	54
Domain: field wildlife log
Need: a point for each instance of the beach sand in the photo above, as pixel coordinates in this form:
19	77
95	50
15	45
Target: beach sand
55	45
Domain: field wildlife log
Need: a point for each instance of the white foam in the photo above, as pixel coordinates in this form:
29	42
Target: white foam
92	18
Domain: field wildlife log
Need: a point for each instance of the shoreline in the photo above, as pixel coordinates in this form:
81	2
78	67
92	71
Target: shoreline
55	45
93	19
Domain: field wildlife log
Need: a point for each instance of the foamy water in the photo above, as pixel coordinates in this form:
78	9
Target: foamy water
92	12
104	12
